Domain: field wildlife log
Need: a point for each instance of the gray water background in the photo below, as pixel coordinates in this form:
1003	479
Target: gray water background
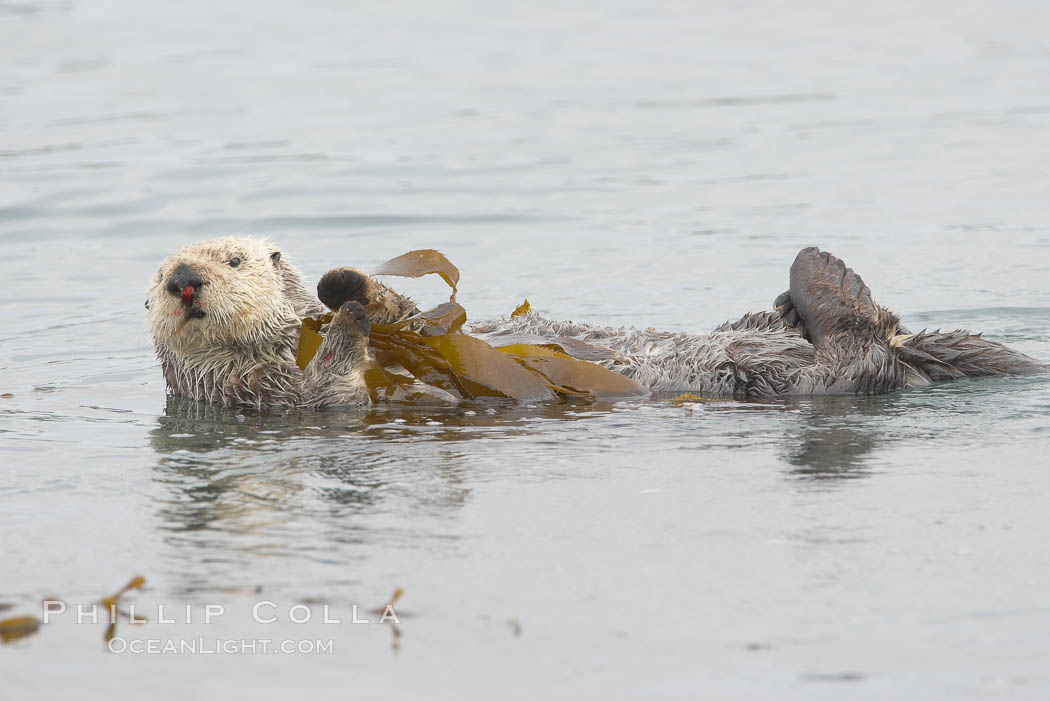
618	162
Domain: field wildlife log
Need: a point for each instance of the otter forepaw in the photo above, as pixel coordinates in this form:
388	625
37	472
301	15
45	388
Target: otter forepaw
335	376
355	316
342	285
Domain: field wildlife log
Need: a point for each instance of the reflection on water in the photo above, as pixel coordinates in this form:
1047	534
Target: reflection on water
190	426
835	437
251	481
241	483
840	437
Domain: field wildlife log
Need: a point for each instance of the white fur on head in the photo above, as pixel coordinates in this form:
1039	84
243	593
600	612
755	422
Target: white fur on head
246	305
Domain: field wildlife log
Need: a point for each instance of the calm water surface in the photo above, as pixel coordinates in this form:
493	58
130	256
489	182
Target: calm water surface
613	162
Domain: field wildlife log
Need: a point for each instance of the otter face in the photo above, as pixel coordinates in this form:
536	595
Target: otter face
218	293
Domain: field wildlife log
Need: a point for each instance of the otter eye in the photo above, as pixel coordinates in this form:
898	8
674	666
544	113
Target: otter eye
234	262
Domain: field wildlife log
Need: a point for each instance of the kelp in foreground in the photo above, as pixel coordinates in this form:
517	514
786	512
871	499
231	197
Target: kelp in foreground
12	629
428	354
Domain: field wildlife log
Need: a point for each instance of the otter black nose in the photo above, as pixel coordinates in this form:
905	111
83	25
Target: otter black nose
184	282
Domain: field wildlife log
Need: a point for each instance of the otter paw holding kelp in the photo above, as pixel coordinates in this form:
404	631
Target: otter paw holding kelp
226	317
383	304
335	375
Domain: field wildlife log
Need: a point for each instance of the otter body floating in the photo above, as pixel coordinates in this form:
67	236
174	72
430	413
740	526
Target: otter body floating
232	324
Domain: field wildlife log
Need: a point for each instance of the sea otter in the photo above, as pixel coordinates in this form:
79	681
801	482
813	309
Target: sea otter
226	319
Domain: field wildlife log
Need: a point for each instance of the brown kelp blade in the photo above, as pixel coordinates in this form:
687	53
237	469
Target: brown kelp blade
428	355
135	583
523	309
395	387
485	372
442	319
420	263
394	348
12	629
310	339
469	367
578	376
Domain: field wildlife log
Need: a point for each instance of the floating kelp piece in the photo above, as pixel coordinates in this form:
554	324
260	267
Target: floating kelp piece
12	629
420	263
687	398
110	602
398	592
135	583
522	309
442	319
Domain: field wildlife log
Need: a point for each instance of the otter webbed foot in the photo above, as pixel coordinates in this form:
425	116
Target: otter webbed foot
829	298
850	333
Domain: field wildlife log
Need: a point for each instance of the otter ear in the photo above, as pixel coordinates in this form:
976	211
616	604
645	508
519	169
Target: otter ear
276	258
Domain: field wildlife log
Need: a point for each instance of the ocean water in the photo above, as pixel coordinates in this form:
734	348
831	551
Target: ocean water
617	162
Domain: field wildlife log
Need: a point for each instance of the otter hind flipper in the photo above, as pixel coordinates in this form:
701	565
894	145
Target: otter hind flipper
828	297
850	333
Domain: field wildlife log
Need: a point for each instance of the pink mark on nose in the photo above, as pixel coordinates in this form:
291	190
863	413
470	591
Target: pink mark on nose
187	293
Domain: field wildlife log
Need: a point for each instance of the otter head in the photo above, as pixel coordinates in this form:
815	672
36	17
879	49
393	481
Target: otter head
230	292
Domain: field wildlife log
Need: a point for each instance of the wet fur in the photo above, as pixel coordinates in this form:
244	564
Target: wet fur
243	350
827	336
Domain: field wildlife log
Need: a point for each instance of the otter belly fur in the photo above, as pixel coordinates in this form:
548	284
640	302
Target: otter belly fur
761	357
226	317
826	336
